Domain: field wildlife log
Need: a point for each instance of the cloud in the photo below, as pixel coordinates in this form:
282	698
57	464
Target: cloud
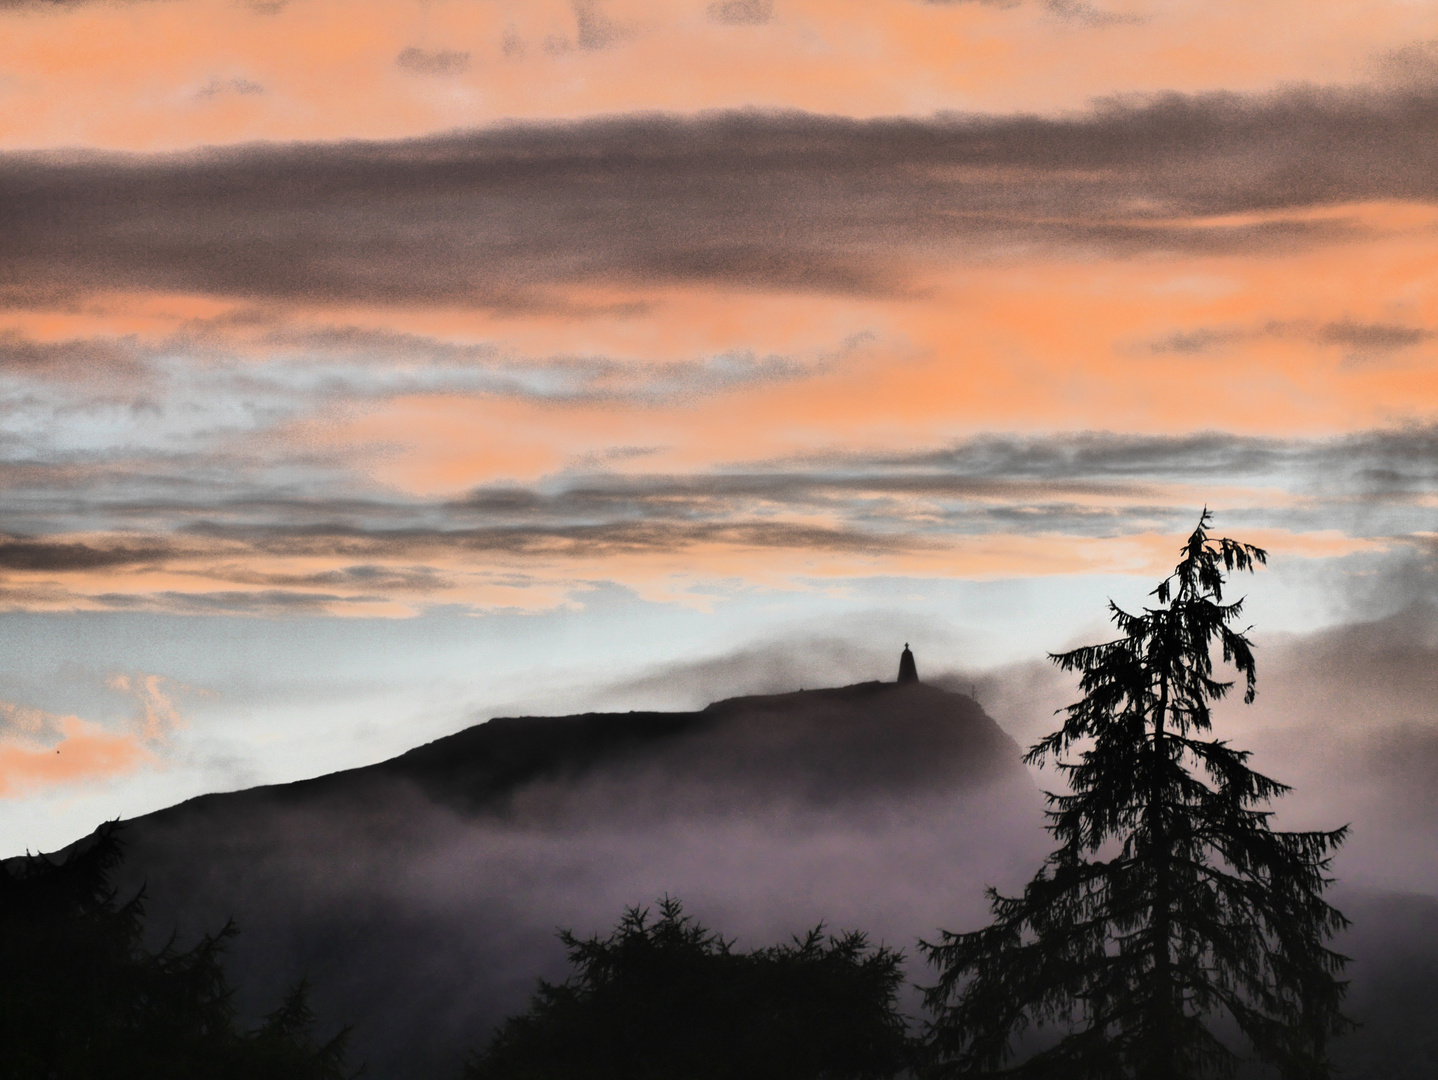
156	715
741	12
41	749
1373	337
86	754
1359	340
196	535
1075	11
237	85
503	218
416	61
50	556
31	725
189	403
1349	718
593	29
1205	339
1088	15
87	359
1412	65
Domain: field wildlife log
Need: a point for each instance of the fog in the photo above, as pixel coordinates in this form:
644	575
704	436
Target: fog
424	919
1347	716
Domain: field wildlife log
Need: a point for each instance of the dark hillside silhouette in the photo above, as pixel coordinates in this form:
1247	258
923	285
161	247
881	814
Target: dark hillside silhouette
838	744
422	893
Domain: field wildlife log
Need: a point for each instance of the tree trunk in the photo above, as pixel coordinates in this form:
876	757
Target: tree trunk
1163	1029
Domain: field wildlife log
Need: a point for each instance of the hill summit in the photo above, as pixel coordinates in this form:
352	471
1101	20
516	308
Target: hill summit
420	894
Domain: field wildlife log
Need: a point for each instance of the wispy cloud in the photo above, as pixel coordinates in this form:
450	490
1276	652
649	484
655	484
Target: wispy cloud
156	714
1017	505
417	61
741	12
234	85
1359	340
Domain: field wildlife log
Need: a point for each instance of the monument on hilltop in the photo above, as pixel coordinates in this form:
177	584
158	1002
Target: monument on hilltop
907	671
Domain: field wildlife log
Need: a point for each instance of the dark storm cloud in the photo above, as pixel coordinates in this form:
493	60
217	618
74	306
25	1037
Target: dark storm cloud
784	201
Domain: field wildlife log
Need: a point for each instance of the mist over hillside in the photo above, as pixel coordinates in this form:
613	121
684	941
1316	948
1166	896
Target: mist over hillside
421	895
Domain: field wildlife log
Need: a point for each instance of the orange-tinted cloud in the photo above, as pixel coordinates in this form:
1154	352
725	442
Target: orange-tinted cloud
70	751
156	713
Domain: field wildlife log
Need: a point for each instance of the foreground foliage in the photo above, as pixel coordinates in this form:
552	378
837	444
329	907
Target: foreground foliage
1170	906
669	1000
82	999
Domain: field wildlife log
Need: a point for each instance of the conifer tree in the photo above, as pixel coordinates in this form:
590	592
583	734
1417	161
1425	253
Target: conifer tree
1170	907
668	999
81	998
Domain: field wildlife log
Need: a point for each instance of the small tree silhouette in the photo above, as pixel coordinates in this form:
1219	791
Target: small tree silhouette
1170	901
670	1000
81	998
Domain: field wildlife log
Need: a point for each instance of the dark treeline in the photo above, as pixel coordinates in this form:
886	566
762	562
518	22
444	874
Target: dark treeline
669	998
81	998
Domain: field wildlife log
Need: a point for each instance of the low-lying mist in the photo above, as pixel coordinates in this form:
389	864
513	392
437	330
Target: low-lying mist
423	917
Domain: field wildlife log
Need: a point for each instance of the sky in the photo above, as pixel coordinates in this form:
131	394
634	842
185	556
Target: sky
369	369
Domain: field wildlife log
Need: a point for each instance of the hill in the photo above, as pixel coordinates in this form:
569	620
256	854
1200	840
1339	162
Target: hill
421	894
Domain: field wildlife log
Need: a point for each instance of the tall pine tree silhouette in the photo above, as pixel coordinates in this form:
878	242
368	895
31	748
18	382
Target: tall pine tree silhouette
1170	906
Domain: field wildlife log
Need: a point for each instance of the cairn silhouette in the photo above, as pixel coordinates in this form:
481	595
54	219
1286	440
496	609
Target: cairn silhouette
907	671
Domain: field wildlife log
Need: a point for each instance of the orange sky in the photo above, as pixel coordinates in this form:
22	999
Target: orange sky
152	74
607	338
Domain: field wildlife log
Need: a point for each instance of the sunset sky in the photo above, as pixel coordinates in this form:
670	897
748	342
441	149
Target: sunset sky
370	368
